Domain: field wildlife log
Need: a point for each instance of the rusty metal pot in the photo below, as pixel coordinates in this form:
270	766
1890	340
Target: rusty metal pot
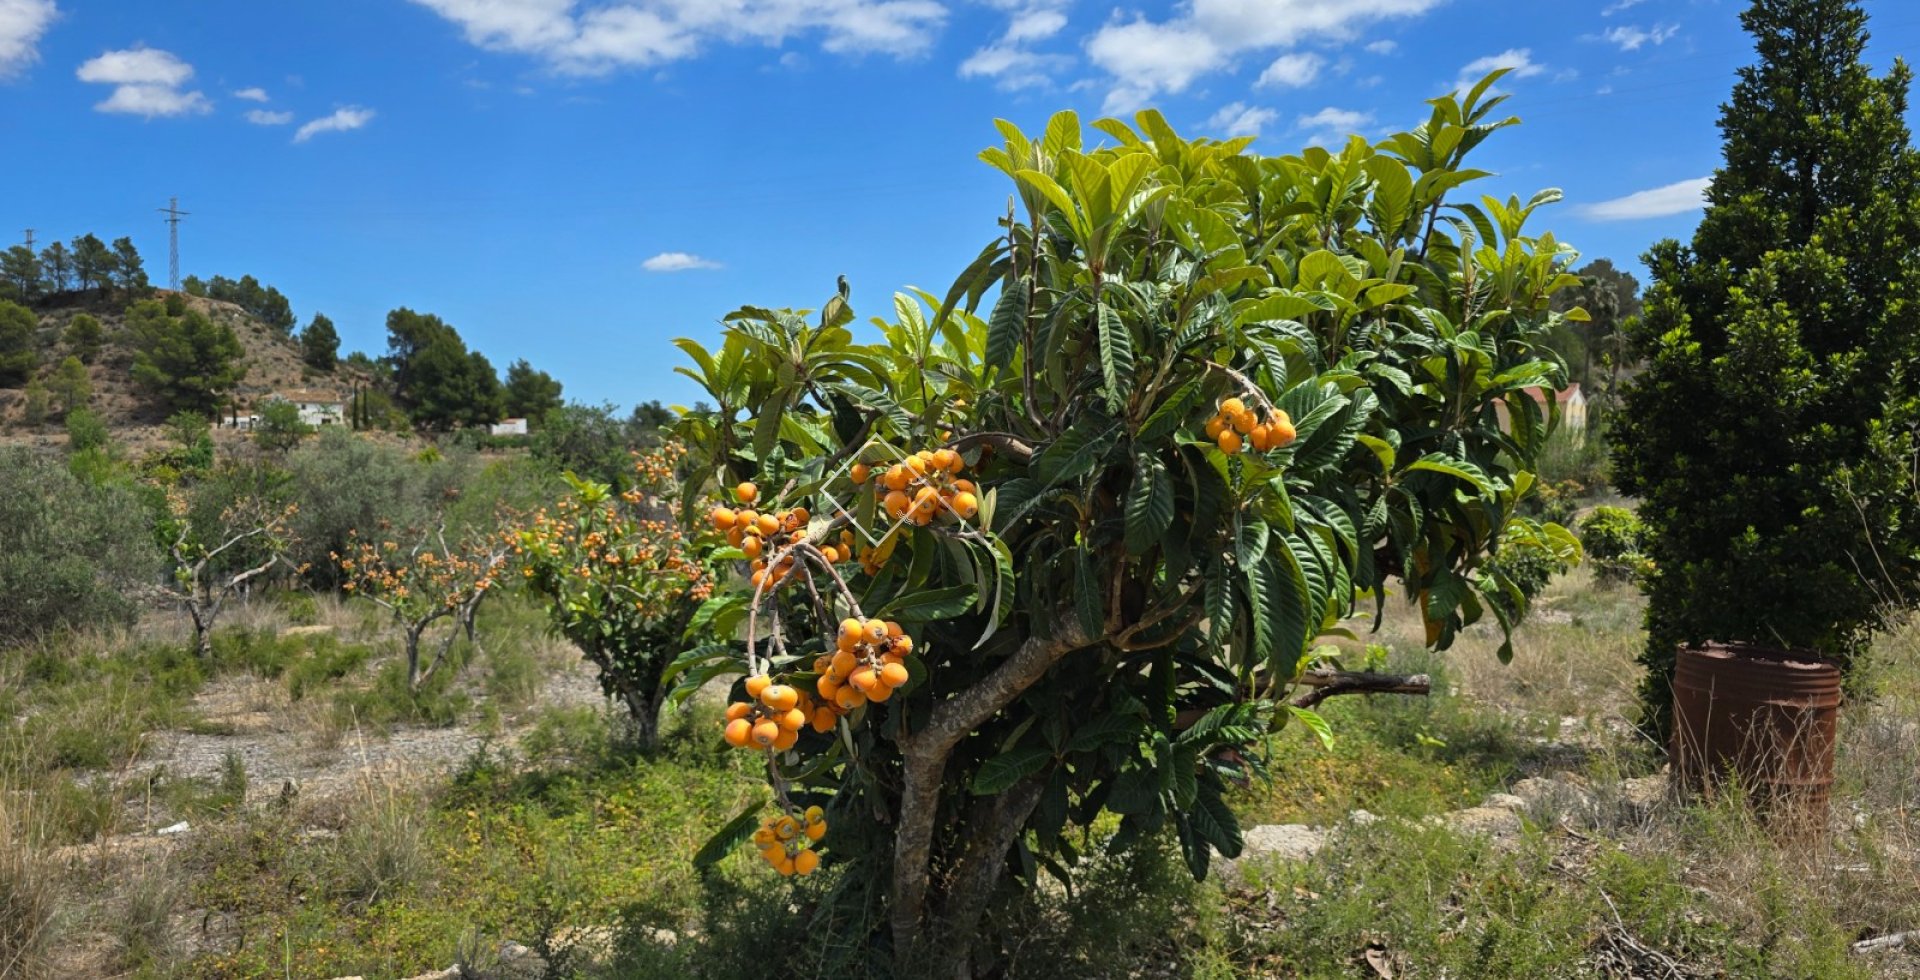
1765	717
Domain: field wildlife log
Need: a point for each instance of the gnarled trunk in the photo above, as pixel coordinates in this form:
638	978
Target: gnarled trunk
924	756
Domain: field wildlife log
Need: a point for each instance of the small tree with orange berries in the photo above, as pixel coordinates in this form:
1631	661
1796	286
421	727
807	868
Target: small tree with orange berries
620	579
424	582
1006	574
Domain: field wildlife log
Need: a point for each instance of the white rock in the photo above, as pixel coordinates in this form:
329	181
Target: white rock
179	828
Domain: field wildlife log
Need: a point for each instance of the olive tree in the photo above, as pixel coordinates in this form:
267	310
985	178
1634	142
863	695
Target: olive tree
1010	573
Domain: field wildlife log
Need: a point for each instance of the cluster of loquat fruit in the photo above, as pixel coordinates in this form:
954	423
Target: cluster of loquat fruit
868	663
775	716
1234	420
759	535
785	841
922	487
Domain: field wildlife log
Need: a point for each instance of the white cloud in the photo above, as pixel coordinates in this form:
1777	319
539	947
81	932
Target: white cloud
350	117
154	100
1675	198
1619	5
147	82
1381	47
1291	71
1331	126
261	117
21	24
1011	61
1240	119
252	95
136	66
1630	38
677	262
646	33
1146	58
1520	60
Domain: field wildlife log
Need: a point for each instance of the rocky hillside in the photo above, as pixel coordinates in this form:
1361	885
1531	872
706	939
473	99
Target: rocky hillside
272	361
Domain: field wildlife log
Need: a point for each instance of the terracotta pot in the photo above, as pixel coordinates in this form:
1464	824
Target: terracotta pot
1765	717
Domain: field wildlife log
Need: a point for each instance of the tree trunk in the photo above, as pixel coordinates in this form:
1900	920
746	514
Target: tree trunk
645	711
995	824
413	655
202	615
924	755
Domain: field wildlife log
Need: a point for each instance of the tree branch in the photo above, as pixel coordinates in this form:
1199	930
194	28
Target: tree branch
1330	683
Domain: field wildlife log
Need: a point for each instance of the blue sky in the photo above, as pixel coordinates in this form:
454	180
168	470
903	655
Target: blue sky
578	181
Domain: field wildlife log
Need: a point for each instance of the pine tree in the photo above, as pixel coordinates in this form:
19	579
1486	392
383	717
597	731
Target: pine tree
1768	438
183	358
320	343
19	354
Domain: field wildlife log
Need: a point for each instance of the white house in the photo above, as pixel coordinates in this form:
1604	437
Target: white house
1573	410
316	407
509	427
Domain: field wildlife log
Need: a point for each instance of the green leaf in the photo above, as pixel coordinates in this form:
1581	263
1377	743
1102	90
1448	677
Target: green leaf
1104	729
1460	468
1173	411
1001	772
1314	723
1006	327
1149	504
1213	819
1116	356
728	837
933	604
1075	452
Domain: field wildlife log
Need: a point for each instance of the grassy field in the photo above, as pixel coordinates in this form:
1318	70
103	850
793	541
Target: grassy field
337	826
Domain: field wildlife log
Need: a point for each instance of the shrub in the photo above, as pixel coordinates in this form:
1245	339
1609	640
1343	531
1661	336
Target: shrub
348	484
75	553
1217	398
281	427
1615	540
1770	437
83	335
86	431
619	580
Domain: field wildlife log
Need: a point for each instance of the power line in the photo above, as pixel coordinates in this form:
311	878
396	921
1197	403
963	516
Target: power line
174	214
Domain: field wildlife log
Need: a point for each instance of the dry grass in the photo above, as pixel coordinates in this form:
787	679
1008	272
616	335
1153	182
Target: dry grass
32	919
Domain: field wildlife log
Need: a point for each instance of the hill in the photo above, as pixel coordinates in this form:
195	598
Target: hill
272	366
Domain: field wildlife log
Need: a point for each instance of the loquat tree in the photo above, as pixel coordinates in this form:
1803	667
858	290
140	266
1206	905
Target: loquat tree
424	582
1074	557
620	579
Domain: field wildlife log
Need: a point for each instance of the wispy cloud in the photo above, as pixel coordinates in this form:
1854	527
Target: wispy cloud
22	22
253	95
1619	5
147	82
1675	198
1012	61
1381	47
262	117
1147	58
647	33
1291	71
1520	60
1630	38
342	120
1331	126
1240	119
677	262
